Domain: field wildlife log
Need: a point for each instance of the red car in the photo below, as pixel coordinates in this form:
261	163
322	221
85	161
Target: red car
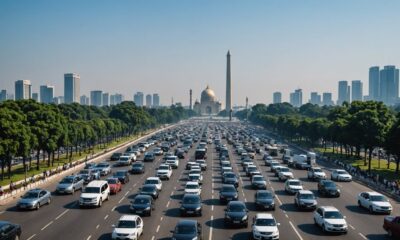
115	185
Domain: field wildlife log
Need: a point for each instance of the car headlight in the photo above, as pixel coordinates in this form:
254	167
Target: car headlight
328	224
227	216
148	208
195	238
244	217
197	209
69	187
275	233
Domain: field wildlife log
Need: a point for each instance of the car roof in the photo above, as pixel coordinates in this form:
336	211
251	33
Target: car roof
227	185
186	222
264	191
36	190
293	180
96	183
192	183
264	215
329	208
128	217
237	203
374	194
143	196
305	192
153	178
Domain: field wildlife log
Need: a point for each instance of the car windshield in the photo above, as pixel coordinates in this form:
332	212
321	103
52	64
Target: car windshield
317	170
112	181
141	201
285	170
191	200
92	190
264	195
294	183
236	208
258	179
151	182
329	184
163	168
30	195
185	229
230	175
137	165
148	189
333	215
342	172
378	199
194	176
192	186
307	196
84	172
67	180
119	174
265	222
126	224
228	189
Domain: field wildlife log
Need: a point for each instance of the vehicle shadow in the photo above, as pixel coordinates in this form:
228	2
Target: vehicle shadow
75	205
105	236
13	209
357	209
217	223
123	209
251	206
248	187
305	179
177	196
132	196
289	207
212	202
281	193
172	212
241	235
377	236
310	228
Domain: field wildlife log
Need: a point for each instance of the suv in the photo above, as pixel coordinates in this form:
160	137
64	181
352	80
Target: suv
154	180
330	219
293	185
94	194
187	229
315	173
328	188
236	213
374	202
265	227
70	184
340	175
172	161
164	171
305	199
191	205
128	227
192	188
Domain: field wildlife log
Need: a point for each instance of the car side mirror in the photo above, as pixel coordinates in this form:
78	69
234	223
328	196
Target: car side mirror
113	226
225	210
278	224
344	216
172	231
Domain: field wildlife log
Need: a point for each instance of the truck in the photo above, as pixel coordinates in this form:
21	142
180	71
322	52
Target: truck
300	161
391	224
272	150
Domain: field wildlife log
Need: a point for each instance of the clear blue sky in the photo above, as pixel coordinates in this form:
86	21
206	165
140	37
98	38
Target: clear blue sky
170	46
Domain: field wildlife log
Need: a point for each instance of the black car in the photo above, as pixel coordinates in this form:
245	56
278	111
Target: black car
137	167
122	175
191	205
236	214
187	230
142	205
9	230
228	193
115	156
264	200
230	178
149	189
180	154
149	157
328	188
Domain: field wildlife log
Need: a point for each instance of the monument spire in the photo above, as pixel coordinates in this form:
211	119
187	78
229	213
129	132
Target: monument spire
228	100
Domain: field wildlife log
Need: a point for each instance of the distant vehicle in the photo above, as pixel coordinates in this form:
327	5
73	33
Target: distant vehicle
236	213
300	161
305	199
192	188
191	205
258	182
187	230
374	202
158	151
94	194
122	175
164	171
330	219
154	180
265	227
341	175
264	200
137	167
315	173
104	168
328	188
195	177
115	185
34	199
70	184
142	205
228	193
272	150
149	157
128	227
285	173
230	178
9	231
391	224
149	189
172	161
89	165
124	160
200	154
115	156
203	164
292	186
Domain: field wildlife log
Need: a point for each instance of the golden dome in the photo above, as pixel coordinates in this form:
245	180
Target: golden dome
207	95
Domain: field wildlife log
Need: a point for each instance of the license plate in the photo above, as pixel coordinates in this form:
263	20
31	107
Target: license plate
236	222
139	211
189	212
229	199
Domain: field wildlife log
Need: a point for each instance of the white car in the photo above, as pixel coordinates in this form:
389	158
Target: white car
316	173
265	227
269	160
195	177
258	182
172	161
285	173
192	188
292	186
374	202
164	171
95	193
128	227
341	175
330	219
154	180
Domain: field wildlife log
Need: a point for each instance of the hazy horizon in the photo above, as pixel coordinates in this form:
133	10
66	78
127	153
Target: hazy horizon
169	47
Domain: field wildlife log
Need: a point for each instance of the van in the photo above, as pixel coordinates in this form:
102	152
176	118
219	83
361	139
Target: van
94	194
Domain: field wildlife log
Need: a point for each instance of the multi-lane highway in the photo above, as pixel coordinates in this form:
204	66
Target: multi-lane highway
63	219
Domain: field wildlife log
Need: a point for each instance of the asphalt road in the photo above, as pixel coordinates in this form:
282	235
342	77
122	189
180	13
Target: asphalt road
63	219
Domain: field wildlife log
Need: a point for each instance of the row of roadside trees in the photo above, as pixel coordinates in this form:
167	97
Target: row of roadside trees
28	127
350	128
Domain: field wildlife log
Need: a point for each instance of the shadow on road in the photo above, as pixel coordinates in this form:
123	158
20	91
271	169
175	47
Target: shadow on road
357	209
123	209
217	223
212	202
241	235
288	207
173	212
310	228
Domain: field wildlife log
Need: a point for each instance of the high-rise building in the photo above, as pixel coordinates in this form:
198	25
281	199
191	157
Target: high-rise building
148	101
35	96
327	99
46	94
356	90
3	95
315	98
71	87
116	99
389	85
84	100
138	99
156	100
296	98
190	99
106	99
277	97
58	100
23	89
96	98
228	100
343	93
374	82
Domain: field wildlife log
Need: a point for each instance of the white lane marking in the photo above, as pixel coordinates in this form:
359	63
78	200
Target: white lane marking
121	200
340	185
98	225
90	236
212	208
245	199
31	237
277	198
152	238
211	228
168	204
62	214
158	228
295	230
351	226
286	216
362	235
1	212
161	219
43	228
126	193
112	210
272	188
106	217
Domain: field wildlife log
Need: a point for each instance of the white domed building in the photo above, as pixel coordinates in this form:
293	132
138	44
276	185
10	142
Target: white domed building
208	105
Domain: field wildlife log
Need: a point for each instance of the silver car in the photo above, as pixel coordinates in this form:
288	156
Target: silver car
70	184
34	199
104	168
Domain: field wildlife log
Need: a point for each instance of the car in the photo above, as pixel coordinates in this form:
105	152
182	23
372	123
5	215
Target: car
122	175
138	167
115	185
258	182
330	219
195	177
293	185
284	174
94	194
164	171
156	181
180	153
315	173
192	188
265	227
274	165
230	178
228	193
10	231
90	165
104	168
195	171
172	161
124	160
191	205
115	156
264	200
149	157
187	230
149	189
142	205
341	175
128	227
374	202
328	188
391	224
252	170
268	160
189	165
70	184
87	175
236	213
34	199
158	151
203	164
305	199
